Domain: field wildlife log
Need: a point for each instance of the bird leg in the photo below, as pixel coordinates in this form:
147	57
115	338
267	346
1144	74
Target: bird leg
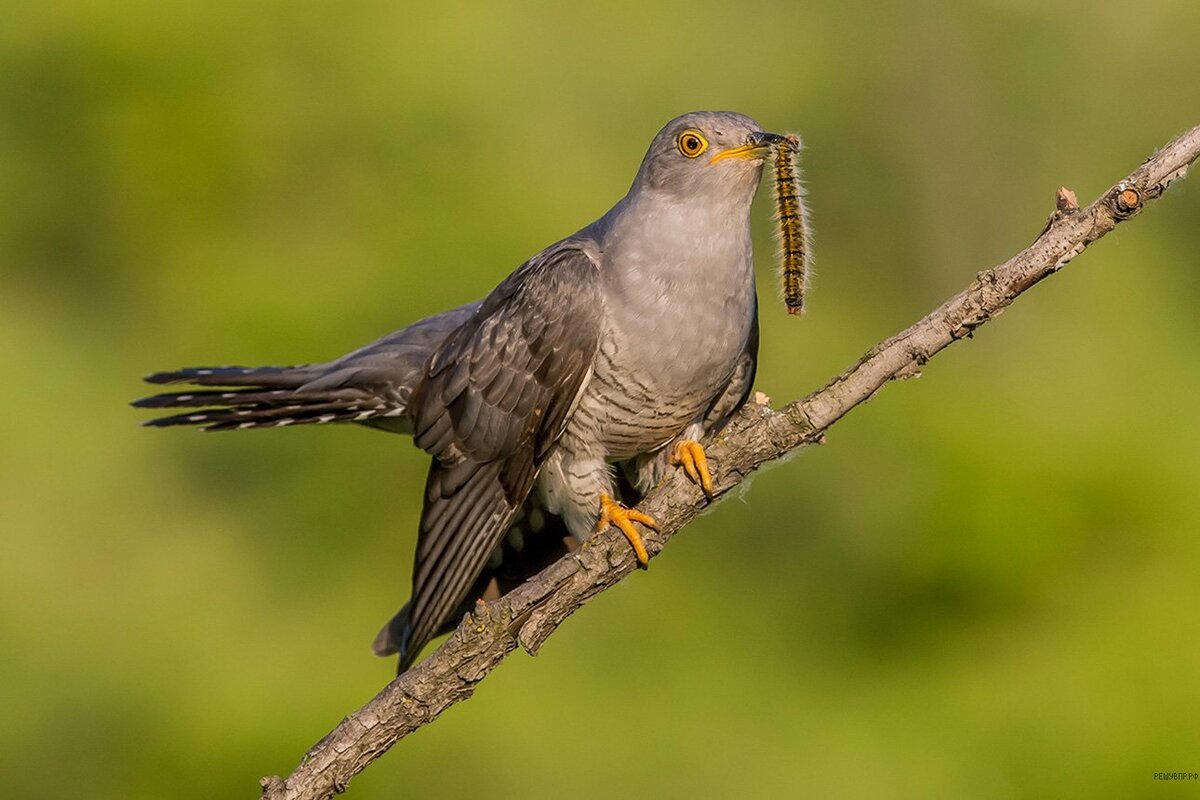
614	513
689	454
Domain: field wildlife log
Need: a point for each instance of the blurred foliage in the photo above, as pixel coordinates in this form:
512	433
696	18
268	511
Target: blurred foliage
984	586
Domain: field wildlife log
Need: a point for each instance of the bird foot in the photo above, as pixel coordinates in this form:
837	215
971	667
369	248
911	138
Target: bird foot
614	513
689	454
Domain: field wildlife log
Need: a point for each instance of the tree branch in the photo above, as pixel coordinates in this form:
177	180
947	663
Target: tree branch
530	613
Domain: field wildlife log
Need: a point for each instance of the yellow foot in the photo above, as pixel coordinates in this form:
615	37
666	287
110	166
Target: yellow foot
690	455
613	513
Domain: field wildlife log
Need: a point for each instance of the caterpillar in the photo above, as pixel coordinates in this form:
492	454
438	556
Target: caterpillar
791	224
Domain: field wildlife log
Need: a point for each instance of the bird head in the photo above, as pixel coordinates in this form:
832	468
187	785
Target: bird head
706	156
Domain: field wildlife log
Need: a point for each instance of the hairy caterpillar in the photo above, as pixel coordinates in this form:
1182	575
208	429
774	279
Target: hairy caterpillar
791	229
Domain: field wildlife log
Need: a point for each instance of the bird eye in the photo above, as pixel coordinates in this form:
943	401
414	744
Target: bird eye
691	143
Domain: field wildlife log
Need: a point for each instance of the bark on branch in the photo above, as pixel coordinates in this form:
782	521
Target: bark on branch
529	614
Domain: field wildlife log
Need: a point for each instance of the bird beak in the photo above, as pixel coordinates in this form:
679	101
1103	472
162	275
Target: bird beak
757	145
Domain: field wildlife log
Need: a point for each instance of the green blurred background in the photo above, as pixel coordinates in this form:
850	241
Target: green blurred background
984	586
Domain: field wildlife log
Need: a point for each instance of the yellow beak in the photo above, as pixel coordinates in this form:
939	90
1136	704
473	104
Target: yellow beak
745	151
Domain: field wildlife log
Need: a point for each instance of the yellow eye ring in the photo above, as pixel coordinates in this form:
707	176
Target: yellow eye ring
691	143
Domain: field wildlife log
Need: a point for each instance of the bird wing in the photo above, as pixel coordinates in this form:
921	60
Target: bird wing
737	391
495	398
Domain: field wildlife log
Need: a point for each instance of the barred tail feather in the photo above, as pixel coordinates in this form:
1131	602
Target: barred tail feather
199	399
290	377
270	397
299	411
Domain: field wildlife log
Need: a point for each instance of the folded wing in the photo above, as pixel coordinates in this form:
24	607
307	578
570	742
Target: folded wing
495	398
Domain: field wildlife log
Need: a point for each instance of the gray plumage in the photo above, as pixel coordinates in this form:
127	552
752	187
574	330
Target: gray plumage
606	348
371	385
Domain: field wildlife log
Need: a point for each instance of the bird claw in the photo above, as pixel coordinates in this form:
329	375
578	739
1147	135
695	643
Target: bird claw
614	513
689	454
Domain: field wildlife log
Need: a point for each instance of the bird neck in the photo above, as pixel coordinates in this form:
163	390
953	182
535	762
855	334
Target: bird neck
673	239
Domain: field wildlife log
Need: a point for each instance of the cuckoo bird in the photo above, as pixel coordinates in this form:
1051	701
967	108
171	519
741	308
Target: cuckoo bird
553	404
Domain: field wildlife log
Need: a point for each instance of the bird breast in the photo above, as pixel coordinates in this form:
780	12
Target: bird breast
676	324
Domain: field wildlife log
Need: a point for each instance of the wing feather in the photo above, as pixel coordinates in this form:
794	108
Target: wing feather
495	398
737	392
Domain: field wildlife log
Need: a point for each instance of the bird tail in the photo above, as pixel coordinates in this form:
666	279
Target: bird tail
372	385
259	397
